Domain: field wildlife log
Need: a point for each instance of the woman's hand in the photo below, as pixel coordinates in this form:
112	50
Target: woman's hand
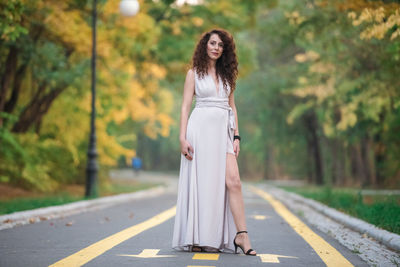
186	148
236	147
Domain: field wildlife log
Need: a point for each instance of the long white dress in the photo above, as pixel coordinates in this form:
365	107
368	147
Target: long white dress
203	215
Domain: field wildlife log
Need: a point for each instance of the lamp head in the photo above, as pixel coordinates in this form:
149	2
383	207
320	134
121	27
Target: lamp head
129	8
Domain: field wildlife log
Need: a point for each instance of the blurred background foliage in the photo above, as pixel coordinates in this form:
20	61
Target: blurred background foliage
318	94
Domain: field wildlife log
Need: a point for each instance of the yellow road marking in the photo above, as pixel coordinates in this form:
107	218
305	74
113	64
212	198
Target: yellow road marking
148	253
259	217
89	253
325	251
206	256
272	258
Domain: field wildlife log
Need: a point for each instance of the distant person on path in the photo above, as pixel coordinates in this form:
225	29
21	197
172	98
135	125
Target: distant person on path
210	209
136	164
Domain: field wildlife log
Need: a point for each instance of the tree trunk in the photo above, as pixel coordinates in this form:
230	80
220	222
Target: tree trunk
12	102
334	166
353	164
365	147
357	163
312	127
338	164
6	79
270	170
310	167
340	161
379	156
36	109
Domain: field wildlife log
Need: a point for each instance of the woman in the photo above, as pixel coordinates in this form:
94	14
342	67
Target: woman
210	206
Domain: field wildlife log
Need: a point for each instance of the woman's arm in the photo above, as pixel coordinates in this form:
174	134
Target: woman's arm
236	142
188	92
233	106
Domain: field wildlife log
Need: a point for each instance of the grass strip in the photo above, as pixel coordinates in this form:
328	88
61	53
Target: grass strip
380	210
27	203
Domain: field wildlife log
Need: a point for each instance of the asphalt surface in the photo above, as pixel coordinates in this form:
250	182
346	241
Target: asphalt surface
49	242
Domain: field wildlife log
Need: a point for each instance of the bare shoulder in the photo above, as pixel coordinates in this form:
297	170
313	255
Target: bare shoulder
189	86
190	73
190	76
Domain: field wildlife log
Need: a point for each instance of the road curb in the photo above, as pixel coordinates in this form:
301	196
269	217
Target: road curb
387	238
42	214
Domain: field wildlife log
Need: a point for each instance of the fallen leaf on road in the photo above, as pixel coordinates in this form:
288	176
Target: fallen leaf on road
69	223
107	219
8	221
131	215
32	220
42	218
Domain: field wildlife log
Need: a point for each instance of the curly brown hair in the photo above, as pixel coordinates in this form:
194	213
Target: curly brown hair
226	65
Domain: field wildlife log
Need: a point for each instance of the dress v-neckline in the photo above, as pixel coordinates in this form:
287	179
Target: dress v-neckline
215	85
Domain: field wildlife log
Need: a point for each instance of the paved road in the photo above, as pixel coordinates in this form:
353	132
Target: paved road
139	234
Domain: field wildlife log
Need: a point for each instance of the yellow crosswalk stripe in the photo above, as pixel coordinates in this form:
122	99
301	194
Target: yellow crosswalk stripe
206	256
325	251
148	253
89	253
273	258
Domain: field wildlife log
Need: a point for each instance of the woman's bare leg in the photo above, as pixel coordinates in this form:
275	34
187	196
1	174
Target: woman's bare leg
234	186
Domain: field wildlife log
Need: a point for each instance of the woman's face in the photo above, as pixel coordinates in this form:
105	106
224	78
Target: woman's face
215	47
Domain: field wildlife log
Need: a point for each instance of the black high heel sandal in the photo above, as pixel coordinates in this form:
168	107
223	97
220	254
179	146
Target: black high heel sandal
236	245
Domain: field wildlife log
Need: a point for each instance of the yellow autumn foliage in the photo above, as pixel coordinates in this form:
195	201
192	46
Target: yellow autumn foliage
119	96
328	128
307	56
348	116
319	91
68	25
294	17
322	68
197	21
380	21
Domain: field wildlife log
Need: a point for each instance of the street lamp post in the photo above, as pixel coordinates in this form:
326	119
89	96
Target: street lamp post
92	168
127	8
